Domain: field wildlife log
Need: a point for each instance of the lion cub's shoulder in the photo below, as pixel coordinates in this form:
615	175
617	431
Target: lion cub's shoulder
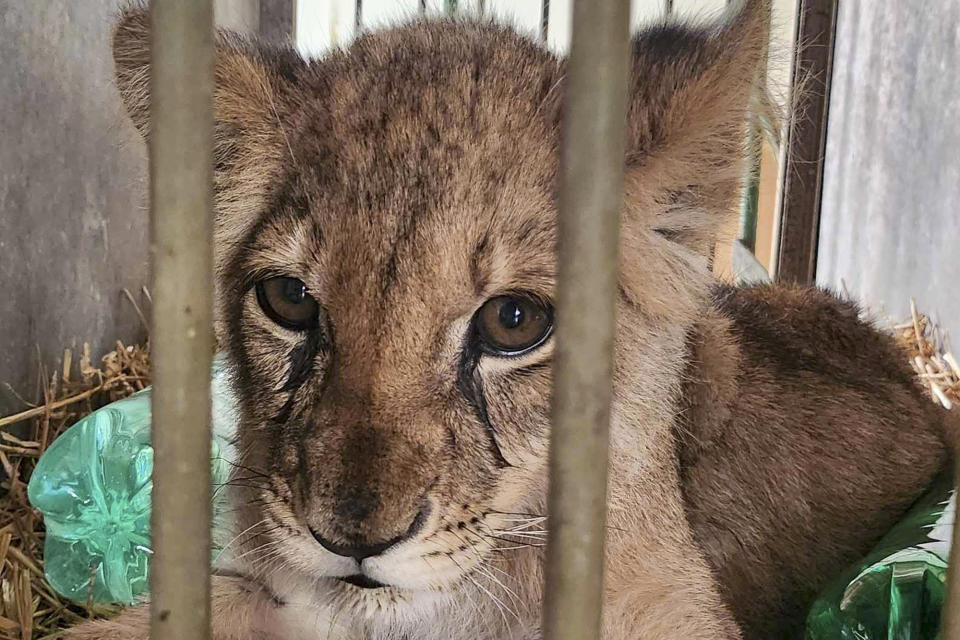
807	329
803	436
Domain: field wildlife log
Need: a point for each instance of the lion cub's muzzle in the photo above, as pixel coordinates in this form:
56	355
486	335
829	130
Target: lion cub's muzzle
366	490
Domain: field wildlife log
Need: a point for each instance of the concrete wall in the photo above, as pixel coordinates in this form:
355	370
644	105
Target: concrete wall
73	223
238	15
73	218
891	198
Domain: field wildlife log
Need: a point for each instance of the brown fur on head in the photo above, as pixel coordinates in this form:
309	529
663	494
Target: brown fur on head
406	181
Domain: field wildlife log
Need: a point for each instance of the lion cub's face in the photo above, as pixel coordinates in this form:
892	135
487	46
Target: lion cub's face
390	312
386	265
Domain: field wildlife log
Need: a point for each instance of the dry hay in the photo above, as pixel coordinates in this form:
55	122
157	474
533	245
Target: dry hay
29	608
930	357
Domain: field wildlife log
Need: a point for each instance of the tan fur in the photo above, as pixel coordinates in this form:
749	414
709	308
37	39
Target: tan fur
411	178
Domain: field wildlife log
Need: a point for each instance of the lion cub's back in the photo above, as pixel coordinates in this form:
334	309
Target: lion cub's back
804	437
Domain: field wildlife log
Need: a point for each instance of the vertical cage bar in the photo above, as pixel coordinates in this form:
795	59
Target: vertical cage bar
181	167
544	19
749	203
591	197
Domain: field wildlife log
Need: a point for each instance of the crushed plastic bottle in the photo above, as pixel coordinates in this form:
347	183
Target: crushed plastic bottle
897	591
93	486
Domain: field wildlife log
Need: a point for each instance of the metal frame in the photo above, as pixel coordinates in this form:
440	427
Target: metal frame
181	199
544	19
806	140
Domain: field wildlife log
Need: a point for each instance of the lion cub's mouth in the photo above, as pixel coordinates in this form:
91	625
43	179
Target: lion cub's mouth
363	582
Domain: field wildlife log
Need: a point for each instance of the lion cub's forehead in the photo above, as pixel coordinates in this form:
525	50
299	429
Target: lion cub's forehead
423	158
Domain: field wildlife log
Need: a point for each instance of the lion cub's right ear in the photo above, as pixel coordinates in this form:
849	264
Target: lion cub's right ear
253	102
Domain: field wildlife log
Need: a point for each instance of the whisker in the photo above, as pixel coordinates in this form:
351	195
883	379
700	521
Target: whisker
271	544
525	526
237	465
507	540
510	592
517	513
522	546
237	537
501	606
532	536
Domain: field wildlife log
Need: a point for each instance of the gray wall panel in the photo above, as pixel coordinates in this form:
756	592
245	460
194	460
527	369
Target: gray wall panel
73	223
73	217
891	197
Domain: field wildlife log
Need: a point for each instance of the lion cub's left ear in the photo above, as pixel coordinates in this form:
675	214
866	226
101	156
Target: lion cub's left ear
692	89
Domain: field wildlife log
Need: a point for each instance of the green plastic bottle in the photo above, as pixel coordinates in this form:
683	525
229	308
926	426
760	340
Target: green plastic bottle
93	486
897	591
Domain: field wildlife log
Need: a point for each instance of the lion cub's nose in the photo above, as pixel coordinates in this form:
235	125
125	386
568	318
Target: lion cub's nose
358	548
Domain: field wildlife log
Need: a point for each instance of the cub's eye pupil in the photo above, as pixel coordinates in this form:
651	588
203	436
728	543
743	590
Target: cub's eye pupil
294	291
287	302
512	325
511	314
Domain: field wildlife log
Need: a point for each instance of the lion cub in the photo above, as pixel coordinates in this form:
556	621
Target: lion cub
385	249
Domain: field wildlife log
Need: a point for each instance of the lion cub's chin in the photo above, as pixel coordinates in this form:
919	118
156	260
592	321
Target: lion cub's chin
393	580
352	601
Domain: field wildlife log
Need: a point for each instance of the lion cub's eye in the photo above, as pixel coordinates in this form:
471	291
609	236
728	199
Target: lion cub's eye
511	325
286	302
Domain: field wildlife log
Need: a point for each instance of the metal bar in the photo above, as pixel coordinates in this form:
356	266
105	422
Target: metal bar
750	197
806	142
181	172
544	19
591	197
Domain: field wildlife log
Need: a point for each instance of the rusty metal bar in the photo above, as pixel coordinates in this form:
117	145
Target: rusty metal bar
806	142
591	197
181	173
544	19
